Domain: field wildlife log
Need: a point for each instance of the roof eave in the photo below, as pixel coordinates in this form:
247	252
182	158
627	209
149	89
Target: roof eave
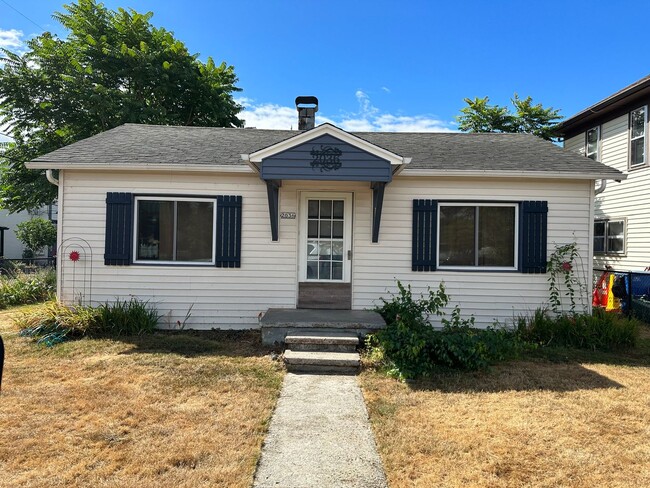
206	167
413	172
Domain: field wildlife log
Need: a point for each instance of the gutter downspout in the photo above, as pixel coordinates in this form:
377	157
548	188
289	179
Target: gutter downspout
50	177
601	188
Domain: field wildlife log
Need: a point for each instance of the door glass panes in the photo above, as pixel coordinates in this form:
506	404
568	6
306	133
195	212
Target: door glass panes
325	239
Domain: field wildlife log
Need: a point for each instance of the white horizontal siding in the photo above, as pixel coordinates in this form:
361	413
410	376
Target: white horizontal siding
576	143
233	298
489	296
627	199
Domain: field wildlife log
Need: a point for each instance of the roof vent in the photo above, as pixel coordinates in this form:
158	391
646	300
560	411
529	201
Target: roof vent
307	108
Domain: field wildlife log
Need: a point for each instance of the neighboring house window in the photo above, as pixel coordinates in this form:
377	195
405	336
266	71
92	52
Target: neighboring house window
592	146
609	236
638	119
477	235
174	230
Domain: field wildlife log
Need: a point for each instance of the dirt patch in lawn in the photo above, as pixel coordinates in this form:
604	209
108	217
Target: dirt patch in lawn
183	409
571	419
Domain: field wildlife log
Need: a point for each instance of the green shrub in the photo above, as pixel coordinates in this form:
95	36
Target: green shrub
599	331
56	322
410	347
27	288
131	317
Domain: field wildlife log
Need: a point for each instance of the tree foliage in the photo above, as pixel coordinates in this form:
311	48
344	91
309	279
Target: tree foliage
36	233
114	67
528	117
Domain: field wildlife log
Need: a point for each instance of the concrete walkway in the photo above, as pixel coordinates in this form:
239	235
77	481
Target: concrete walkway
320	437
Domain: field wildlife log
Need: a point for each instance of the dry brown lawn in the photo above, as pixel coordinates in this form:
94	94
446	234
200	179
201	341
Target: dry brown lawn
163	410
574	420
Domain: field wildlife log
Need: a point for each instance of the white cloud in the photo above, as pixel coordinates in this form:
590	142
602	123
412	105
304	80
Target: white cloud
11	39
368	118
386	89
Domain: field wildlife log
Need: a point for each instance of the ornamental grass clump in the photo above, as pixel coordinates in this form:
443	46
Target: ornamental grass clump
56	322
604	331
409	346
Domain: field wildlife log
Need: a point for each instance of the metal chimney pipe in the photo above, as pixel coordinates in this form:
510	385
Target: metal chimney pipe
307	108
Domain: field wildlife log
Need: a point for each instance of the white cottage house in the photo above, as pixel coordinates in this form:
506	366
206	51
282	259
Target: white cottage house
231	222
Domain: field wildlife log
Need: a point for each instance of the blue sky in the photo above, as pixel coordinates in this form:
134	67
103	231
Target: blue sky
393	65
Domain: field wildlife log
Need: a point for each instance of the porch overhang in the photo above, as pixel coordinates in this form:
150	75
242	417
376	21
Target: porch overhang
325	153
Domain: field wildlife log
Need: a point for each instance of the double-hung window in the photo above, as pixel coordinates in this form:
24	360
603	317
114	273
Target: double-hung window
609	236
638	119
478	235
174	230
592	144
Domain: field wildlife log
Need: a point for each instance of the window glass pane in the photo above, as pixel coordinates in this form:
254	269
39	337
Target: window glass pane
312	250
337	212
324	268
592	143
326	209
312	209
325	251
312	228
337	271
457	243
616	228
312	270
637	123
614	244
496	236
337	251
599	229
194	231
155	230
326	228
637	154
337	230
599	244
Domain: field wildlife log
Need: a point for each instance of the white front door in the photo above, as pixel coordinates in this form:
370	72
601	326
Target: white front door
325	250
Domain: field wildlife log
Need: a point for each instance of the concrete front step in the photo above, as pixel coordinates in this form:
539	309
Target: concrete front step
322	342
322	362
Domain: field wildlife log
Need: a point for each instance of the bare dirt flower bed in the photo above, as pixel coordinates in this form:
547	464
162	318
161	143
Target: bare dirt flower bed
566	418
185	409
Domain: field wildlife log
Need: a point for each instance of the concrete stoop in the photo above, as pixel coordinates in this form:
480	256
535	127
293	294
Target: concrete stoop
322	353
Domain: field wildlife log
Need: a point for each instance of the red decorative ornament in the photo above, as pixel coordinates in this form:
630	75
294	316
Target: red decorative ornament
74	256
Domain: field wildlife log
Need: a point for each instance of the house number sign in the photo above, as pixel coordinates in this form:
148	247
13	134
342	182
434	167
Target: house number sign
327	158
287	215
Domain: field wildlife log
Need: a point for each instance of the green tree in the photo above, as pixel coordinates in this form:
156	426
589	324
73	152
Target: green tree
112	68
528	117
36	233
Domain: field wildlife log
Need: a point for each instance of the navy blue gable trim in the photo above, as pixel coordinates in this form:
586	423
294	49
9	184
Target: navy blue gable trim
119	229
228	232
533	236
425	226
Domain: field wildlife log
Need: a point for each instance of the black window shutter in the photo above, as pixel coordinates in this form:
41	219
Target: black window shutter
425	226
119	229
532	236
228	234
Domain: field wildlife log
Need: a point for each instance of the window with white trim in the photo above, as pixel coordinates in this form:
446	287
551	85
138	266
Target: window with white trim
592	144
638	120
609	236
174	230
478	235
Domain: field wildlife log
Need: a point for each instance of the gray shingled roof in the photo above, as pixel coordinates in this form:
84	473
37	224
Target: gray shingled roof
154	144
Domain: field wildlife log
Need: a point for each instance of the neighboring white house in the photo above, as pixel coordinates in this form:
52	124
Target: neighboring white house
10	246
615	132
231	222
